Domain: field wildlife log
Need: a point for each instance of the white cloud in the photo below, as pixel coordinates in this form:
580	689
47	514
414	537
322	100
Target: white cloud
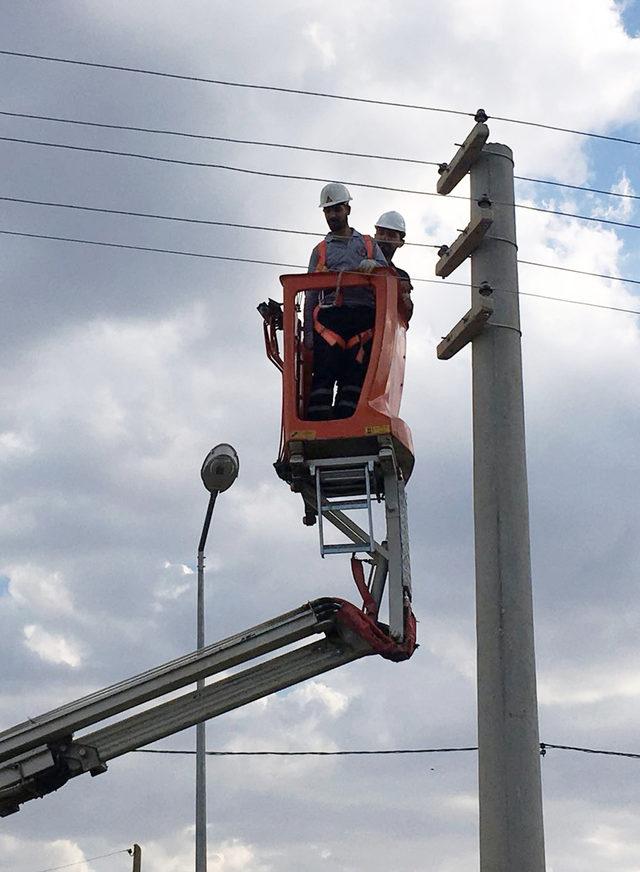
52	647
19	853
175	854
175	581
320	37
334	702
40	589
618	209
13	445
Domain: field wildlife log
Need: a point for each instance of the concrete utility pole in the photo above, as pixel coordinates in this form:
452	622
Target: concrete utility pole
511	823
219	471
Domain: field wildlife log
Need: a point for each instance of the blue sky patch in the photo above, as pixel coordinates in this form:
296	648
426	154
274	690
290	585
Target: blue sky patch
630	13
4	585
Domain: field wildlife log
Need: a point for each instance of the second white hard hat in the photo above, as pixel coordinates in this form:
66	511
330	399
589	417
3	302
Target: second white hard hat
391	221
333	194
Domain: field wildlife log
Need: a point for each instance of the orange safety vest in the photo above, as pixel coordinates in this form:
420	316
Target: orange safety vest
330	336
321	249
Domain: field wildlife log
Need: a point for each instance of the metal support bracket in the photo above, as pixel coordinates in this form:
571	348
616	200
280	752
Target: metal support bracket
470	326
452	256
467	154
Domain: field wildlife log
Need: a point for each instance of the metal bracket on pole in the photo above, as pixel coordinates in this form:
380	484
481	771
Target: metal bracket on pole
464	158
465	330
452	256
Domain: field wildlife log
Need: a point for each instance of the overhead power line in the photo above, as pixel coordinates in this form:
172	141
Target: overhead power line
306	148
87	860
216	166
307	93
378	752
211	138
265	173
580	272
294	266
589	190
357	753
545	745
593	218
240	226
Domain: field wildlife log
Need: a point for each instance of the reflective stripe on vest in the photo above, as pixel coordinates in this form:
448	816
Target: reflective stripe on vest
321	251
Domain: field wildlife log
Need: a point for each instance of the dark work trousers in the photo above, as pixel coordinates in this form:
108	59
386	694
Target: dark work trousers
333	365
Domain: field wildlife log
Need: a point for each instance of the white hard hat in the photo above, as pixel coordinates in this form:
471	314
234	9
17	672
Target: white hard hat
333	194
391	221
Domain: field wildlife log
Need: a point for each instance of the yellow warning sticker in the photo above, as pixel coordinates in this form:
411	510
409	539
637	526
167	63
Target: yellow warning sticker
303	434
377	429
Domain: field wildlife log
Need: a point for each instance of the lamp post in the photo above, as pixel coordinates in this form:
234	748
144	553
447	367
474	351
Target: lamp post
218	473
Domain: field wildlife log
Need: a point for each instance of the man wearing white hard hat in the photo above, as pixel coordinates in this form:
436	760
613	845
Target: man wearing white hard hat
390	233
339	324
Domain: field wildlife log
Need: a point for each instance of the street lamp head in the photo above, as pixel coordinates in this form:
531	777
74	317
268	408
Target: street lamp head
220	468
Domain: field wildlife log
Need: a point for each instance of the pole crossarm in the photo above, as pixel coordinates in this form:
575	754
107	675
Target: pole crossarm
452	256
463	160
467	328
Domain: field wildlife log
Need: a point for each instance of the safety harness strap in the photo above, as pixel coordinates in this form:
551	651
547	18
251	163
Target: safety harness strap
332	338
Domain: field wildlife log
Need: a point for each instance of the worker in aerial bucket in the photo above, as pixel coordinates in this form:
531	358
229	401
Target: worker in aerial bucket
339	324
390	233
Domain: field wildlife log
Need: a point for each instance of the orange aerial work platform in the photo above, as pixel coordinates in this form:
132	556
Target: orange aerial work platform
377	412
347	464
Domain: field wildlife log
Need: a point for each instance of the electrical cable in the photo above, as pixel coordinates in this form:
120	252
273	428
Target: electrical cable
192	163
295	266
545	745
208	165
87	860
609	221
379	752
581	272
228	84
77	206
211	138
357	753
306	93
154	215
201	136
572	187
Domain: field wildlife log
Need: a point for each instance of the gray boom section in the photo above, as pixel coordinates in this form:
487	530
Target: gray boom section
223	696
45	770
261	639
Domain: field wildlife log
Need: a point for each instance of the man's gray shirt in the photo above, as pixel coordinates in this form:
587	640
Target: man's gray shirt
343	253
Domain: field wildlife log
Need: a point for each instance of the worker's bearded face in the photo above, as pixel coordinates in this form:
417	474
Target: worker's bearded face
337	217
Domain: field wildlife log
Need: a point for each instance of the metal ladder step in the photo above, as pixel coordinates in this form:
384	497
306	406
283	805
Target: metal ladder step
343	505
350	477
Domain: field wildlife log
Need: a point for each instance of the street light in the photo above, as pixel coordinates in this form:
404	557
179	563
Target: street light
219	471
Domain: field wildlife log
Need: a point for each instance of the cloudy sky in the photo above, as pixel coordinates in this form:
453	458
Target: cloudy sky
121	368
